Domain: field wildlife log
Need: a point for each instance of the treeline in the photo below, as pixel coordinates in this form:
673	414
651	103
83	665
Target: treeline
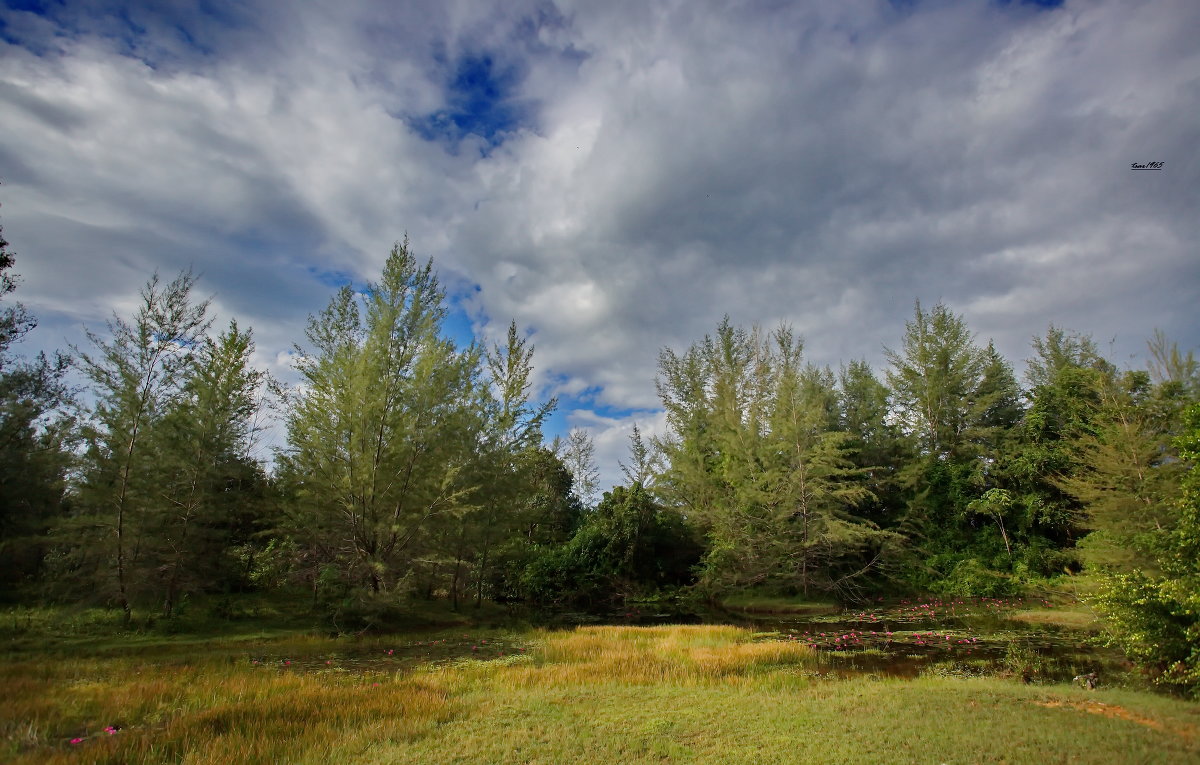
417	469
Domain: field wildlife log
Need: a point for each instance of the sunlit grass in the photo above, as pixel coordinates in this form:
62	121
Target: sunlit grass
716	694
1079	619
230	711
649	655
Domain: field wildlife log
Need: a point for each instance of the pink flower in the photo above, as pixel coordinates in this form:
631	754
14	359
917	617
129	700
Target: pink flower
76	741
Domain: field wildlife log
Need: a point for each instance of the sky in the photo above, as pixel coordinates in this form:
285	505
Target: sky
615	177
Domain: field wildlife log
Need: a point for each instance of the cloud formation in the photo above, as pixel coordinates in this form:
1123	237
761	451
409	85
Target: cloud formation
615	176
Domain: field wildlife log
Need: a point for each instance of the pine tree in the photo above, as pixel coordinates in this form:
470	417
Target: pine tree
753	459
384	428
137	377
1123	473
937	379
201	447
505	471
643	463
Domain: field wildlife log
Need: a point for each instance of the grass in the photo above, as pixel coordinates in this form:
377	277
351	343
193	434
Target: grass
713	694
775	604
1076	619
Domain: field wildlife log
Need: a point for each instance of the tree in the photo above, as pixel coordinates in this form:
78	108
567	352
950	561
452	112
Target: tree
1062	402
137	376
201	447
643	463
506	473
1155	618
34	441
15	321
809	480
1124	473
961	404
875	444
384	427
939	381
753	460
626	546
578	453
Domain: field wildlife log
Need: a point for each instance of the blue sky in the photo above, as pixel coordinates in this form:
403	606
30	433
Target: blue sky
615	177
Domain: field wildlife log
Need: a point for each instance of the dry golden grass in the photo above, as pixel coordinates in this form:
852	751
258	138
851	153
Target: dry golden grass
1078	619
213	712
650	655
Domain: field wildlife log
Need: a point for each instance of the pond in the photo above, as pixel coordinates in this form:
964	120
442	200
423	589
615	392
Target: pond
907	638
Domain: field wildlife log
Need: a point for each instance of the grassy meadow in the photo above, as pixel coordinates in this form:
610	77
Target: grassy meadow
628	694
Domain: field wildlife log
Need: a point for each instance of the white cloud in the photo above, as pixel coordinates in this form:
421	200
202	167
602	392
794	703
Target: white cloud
823	164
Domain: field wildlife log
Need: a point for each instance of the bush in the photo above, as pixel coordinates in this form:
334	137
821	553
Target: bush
971	578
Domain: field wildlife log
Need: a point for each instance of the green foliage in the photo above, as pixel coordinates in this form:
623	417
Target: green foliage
202	471
1155	619
1123	473
416	468
950	393
971	577
875	444
383	433
627	546
35	436
514	502
167	484
137	376
754	457
985	510
643	463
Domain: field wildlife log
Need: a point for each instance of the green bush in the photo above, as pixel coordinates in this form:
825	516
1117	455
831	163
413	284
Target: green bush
971	578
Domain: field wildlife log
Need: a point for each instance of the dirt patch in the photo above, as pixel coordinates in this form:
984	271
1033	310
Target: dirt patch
1188	733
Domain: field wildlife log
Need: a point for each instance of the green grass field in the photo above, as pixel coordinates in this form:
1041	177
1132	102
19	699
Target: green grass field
716	694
